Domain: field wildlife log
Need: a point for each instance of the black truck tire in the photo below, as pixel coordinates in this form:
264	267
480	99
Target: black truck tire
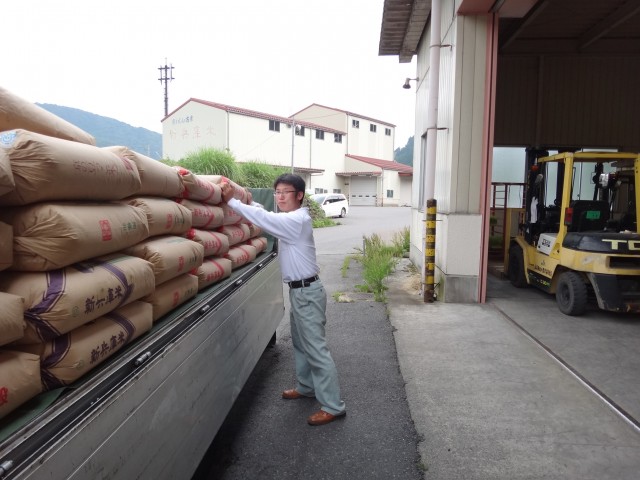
571	294
516	272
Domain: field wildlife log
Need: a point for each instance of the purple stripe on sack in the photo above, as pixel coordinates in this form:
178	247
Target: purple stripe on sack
120	275
50	381
124	323
56	281
59	349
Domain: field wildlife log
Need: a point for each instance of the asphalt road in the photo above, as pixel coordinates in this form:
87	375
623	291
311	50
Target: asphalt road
361	222
266	437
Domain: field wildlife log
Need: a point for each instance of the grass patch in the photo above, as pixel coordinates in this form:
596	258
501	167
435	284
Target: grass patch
378	262
213	161
345	266
402	242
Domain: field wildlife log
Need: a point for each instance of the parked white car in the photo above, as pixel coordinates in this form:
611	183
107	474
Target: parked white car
333	204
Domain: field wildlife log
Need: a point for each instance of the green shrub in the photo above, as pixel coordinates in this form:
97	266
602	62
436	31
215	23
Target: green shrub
318	218
378	261
260	175
211	161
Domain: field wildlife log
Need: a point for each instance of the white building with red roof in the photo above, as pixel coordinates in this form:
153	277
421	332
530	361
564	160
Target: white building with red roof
334	150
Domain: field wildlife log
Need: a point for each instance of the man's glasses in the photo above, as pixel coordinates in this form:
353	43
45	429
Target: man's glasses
283	192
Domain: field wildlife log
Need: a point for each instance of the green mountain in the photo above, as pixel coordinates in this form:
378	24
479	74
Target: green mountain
109	132
404	155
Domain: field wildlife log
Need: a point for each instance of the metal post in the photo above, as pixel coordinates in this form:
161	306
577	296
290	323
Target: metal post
293	136
166	75
430	251
429	174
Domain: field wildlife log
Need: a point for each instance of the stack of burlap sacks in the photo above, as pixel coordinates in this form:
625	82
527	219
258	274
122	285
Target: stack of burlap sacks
96	244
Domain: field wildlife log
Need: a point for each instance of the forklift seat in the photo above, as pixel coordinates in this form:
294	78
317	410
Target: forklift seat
589	215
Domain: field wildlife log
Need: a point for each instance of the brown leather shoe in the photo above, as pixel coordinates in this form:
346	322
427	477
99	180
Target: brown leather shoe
293	394
322	418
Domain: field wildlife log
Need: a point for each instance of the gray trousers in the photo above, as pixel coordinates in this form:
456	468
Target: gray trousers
315	370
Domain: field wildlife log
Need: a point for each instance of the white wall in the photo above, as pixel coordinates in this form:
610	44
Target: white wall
191	128
365	143
329	156
195	126
458	156
390	181
251	139
329	117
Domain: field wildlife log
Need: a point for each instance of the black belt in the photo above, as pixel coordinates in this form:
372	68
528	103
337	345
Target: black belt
303	283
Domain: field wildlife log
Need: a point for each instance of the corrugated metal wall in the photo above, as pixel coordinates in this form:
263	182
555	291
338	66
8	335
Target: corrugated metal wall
553	101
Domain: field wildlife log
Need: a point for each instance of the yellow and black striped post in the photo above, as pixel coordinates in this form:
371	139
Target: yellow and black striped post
429	251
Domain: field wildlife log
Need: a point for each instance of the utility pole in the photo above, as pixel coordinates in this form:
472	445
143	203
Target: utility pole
166	75
293	137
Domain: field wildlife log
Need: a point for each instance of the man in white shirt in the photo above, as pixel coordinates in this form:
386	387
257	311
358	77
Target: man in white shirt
316	372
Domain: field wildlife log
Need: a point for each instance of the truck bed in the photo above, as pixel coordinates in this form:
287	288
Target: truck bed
153	410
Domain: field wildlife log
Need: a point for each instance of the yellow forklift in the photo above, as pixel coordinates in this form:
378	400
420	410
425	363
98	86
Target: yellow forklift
580	239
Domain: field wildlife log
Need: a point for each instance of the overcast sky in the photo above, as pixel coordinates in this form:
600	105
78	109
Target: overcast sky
273	56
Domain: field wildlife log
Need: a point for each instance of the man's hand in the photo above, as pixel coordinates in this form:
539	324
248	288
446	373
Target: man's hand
227	192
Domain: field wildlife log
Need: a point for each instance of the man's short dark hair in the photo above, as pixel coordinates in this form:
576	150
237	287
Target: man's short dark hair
295	181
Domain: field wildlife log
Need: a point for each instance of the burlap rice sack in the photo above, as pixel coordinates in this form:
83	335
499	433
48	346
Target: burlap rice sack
172	294
157	179
61	300
53	235
241	255
236	233
194	188
170	256
6	176
203	215
214	243
6	246
254	230
239	192
260	243
67	357
164	216
15	112
48	168
19	379
231	217
212	270
11	317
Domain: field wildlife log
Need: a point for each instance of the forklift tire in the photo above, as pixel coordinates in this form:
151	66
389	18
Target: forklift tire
571	294
516	267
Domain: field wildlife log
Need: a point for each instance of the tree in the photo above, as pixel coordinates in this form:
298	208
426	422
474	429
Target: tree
404	155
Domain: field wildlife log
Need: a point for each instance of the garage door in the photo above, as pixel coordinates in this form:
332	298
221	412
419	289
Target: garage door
363	191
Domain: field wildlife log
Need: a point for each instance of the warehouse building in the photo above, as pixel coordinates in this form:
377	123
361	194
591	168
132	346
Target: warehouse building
334	150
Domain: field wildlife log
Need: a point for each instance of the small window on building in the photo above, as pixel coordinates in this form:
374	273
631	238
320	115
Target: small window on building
337	137
274	125
389	193
387	132
300	131
355	123
337	190
373	127
319	134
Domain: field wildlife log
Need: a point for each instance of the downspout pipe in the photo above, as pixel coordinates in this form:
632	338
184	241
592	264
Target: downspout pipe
432	107
429	182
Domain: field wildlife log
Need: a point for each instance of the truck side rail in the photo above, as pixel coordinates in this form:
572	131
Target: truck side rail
37	435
